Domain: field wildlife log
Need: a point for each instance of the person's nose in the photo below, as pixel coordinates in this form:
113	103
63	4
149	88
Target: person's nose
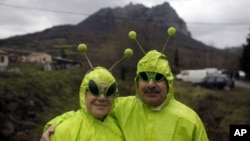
102	96
151	83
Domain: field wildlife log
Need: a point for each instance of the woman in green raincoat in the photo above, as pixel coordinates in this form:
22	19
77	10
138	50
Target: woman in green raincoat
91	121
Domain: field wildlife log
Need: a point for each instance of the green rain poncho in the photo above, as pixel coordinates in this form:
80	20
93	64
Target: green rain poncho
81	125
171	121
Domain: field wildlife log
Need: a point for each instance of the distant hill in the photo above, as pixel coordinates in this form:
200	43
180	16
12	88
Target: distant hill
234	49
105	33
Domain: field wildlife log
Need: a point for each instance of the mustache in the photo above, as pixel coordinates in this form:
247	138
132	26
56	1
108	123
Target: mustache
152	90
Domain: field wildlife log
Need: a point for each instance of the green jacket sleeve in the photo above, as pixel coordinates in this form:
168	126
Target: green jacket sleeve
59	119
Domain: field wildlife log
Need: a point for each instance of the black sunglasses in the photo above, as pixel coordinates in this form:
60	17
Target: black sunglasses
146	76
96	91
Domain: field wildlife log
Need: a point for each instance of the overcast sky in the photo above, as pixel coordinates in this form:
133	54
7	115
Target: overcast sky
220	23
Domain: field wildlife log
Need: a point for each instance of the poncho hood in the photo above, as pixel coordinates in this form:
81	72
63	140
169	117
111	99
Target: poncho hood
100	75
155	61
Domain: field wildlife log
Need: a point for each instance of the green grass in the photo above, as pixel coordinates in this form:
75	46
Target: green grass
47	94
218	109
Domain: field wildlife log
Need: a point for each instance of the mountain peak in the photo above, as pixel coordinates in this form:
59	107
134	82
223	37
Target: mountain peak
162	16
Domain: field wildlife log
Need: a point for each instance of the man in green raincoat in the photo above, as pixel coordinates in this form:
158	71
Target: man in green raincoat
153	114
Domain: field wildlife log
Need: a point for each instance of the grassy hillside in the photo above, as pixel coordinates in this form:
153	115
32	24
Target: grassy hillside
30	99
218	109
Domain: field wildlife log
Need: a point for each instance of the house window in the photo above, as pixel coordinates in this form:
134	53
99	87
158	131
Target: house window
1	59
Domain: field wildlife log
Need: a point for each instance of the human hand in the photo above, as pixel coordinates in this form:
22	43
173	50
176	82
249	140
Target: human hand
46	135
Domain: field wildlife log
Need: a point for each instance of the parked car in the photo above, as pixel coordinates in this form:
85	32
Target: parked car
217	81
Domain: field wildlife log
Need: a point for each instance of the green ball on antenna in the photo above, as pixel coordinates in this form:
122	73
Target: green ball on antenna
132	35
82	48
171	31
128	52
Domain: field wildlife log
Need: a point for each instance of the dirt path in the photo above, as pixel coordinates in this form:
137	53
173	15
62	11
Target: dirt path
242	84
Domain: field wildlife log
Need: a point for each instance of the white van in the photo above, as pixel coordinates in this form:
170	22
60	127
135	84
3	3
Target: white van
195	75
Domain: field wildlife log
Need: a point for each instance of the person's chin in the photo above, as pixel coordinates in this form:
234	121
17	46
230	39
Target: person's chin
100	114
151	99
